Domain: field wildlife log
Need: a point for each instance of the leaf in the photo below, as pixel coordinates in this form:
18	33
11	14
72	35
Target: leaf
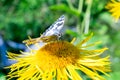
75	34
65	8
2	76
113	76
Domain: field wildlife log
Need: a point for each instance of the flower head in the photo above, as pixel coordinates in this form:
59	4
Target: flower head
114	8
60	60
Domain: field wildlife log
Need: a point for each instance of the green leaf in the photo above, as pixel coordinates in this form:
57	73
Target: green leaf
63	7
113	76
75	34
2	76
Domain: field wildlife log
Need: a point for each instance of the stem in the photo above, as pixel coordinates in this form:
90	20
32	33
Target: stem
80	6
78	26
70	4
87	17
82	25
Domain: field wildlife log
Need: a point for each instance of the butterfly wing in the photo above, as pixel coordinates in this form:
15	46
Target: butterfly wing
55	28
51	34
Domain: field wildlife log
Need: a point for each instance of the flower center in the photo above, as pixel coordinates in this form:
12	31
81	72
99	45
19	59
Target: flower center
57	54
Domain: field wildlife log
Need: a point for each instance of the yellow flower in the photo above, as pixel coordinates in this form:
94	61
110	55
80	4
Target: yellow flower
114	8
60	60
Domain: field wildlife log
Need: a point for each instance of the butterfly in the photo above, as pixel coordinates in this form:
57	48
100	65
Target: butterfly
53	33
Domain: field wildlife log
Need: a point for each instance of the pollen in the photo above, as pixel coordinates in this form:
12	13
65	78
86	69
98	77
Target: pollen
57	54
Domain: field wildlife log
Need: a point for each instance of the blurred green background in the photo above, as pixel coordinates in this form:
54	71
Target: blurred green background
22	18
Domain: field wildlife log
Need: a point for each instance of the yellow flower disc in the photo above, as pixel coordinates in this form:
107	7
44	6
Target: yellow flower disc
57	55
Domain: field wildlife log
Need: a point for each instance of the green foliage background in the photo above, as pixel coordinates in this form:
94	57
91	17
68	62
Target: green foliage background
20	18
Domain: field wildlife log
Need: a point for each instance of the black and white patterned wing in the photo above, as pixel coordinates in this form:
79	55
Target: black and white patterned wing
55	28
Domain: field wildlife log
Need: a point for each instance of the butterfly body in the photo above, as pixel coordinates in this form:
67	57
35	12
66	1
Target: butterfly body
53	33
